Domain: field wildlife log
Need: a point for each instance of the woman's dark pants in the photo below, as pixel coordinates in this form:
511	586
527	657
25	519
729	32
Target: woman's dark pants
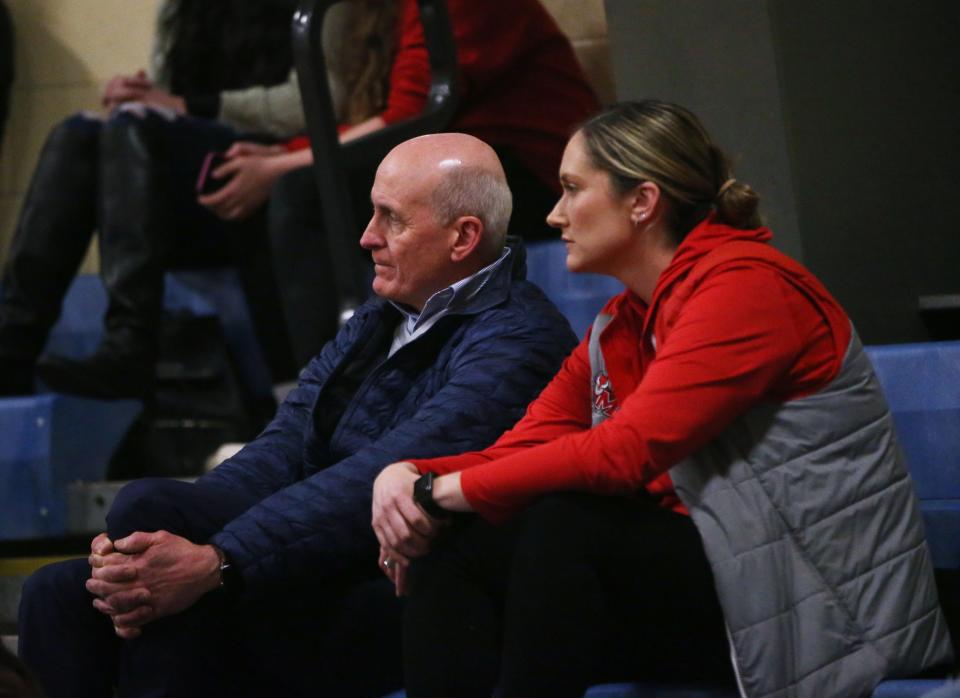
580	590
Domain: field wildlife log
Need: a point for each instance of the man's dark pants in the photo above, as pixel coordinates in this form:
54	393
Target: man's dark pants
323	638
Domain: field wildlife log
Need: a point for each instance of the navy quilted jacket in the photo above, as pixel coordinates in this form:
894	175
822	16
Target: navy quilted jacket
454	389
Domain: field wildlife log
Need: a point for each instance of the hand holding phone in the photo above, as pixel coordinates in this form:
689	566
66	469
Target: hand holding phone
206	182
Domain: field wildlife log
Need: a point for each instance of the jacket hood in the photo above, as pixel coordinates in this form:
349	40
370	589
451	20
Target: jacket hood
703	239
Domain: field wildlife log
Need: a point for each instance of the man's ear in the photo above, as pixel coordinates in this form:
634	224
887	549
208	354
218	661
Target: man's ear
644	202
468	232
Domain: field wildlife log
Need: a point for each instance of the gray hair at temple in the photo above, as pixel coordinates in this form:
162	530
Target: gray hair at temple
475	191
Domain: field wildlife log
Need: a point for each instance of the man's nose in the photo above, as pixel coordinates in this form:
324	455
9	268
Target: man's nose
370	239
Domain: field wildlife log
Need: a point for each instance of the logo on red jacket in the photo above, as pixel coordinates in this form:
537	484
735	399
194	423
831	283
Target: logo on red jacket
604	402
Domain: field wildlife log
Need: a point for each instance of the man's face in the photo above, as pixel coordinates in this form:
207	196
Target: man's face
409	247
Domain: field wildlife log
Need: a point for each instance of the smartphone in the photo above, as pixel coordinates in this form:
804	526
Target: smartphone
206	182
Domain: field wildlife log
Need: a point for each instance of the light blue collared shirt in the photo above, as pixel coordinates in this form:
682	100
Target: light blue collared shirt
443	302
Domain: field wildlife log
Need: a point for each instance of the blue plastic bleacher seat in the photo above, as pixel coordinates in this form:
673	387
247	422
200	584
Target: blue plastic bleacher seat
48	442
578	296
922	386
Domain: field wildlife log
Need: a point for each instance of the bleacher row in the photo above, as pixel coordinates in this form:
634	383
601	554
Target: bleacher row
50	442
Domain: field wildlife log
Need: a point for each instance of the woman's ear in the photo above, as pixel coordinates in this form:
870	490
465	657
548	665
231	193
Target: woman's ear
644	201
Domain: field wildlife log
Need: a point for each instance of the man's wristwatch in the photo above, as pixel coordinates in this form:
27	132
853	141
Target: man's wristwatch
423	495
229	576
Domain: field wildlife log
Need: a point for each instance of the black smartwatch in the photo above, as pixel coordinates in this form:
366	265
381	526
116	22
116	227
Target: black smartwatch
423	495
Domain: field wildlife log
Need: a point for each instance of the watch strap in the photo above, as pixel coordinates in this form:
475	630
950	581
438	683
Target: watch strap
423	496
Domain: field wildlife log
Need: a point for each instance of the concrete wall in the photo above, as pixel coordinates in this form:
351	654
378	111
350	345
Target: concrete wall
871	93
715	57
585	22
846	117
65	51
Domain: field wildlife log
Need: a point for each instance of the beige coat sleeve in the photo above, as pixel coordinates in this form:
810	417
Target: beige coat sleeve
275	110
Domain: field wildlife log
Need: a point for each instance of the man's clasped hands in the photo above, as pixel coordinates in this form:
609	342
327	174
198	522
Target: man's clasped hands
145	576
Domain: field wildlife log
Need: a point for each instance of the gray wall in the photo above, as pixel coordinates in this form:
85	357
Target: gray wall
847	117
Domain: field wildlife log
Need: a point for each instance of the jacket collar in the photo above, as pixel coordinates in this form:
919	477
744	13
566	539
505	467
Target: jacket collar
495	285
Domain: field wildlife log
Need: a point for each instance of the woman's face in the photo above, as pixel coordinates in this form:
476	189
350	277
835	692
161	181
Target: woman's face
593	219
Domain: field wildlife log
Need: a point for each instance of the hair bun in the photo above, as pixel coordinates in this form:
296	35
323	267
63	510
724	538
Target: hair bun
726	185
737	204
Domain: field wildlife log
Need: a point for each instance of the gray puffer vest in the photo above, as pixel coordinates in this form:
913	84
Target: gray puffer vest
813	531
814	535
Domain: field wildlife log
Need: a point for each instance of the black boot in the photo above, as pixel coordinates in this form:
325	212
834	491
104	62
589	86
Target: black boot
131	263
54	230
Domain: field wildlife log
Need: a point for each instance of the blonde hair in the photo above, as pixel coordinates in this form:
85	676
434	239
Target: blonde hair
663	143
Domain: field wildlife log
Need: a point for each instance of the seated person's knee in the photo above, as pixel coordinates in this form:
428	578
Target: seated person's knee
142	505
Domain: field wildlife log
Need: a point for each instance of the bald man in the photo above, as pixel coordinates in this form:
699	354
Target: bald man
260	578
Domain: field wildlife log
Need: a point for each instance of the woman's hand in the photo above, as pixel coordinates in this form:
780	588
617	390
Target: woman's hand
395	566
252	168
401	526
404	529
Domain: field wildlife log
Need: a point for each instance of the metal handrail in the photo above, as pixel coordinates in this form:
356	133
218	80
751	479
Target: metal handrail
332	160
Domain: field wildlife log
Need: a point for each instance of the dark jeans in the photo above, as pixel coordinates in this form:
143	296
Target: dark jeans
338	638
580	590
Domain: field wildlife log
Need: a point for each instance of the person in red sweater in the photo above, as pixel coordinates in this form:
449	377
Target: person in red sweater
584	565
520	89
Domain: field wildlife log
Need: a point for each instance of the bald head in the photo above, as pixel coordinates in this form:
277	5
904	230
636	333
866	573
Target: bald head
440	211
457	175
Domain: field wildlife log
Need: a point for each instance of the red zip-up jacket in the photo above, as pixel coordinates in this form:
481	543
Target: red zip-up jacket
679	370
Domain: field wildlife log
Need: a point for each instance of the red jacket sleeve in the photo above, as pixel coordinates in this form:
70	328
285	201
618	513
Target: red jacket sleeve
733	344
